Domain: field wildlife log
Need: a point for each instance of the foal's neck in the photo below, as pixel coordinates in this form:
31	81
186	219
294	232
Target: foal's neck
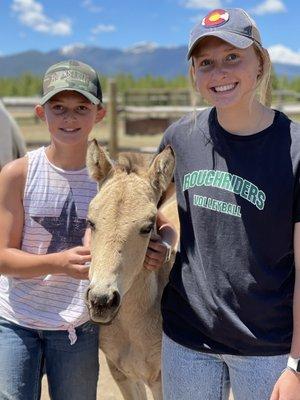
143	293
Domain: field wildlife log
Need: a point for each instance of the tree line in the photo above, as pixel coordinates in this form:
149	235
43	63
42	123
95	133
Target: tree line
31	85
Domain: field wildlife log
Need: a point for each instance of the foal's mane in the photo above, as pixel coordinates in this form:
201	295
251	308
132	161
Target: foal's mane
131	162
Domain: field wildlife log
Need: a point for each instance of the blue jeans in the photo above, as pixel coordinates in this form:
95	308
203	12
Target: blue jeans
192	375
72	370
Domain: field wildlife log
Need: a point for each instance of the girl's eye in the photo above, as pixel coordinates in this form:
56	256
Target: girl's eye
58	108
231	57
205	63
82	108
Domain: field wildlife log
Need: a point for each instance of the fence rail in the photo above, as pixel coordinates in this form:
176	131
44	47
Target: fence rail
147	111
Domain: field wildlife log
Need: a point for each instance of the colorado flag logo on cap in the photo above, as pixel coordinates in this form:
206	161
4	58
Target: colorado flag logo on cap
215	18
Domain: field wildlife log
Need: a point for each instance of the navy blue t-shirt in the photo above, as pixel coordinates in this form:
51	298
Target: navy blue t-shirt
231	287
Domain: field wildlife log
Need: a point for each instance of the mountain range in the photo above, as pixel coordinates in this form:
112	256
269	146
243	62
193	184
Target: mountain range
140	60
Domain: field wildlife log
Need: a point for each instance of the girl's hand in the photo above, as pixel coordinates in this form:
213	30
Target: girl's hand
74	262
287	387
157	253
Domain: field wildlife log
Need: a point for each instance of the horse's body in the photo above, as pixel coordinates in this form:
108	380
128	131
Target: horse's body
123	294
12	144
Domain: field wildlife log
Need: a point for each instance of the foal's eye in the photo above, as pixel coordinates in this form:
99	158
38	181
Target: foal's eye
146	229
90	224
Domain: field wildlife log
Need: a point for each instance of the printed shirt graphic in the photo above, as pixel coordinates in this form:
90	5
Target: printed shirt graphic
226	181
67	229
230	289
55	205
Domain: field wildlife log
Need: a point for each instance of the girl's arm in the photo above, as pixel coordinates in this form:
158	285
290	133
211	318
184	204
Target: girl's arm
288	385
15	262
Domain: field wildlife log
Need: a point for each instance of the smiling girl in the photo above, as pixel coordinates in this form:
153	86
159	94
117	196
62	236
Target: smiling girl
234	290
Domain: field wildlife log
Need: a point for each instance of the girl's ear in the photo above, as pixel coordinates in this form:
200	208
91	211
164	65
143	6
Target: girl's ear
100	114
40	112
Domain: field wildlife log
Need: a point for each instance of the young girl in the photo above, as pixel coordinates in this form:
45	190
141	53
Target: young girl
44	197
228	307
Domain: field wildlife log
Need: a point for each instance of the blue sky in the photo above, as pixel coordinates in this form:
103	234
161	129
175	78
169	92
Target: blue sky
51	24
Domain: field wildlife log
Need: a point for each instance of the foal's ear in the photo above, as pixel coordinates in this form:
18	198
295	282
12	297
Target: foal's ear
161	170
98	161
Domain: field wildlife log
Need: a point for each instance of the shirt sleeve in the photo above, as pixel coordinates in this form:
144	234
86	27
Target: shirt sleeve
295	156
296	207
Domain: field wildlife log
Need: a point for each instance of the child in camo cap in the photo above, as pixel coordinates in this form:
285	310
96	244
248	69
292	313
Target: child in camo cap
44	197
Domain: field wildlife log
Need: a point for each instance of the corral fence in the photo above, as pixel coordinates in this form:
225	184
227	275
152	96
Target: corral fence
147	112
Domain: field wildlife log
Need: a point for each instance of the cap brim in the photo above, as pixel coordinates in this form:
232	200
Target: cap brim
237	40
88	95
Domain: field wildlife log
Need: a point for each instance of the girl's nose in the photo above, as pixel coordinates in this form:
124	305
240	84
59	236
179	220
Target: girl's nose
220	70
69	115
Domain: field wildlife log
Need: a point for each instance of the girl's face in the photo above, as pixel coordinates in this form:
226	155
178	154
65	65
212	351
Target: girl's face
70	117
225	75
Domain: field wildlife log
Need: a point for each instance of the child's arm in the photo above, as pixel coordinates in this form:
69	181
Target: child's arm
18	263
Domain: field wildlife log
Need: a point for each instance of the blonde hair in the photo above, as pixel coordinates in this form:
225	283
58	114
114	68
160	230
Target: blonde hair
264	81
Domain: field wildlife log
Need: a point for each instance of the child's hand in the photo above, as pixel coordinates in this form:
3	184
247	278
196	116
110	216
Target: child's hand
73	262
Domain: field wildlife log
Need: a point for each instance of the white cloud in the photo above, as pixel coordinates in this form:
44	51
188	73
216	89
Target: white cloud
283	55
89	5
72	49
103	28
141	47
203	4
31	14
269	7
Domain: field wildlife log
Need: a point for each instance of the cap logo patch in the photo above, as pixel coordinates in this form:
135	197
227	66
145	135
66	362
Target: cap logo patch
215	18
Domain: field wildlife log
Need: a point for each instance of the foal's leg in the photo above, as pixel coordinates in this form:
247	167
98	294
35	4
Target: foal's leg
129	389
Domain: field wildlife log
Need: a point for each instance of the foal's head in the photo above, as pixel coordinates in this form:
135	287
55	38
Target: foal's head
122	217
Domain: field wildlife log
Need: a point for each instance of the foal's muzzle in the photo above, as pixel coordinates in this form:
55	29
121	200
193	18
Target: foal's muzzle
102	307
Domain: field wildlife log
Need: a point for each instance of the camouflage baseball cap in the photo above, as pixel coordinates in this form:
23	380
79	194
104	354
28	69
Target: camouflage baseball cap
72	75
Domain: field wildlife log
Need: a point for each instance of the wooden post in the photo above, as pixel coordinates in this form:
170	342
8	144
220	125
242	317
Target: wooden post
112	118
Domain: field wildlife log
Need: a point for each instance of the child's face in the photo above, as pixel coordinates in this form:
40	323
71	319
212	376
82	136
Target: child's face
70	117
224	75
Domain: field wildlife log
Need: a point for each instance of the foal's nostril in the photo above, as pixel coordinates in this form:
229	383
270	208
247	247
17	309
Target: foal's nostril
100	301
115	301
106	301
